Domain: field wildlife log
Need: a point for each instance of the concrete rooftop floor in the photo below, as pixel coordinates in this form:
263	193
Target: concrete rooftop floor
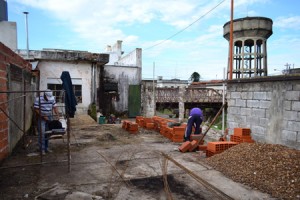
108	162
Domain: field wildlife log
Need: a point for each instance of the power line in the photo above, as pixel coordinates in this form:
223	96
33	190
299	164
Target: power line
185	27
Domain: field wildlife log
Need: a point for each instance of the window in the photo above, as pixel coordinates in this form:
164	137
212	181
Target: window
57	92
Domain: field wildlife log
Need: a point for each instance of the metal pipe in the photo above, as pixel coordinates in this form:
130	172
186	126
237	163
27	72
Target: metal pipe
154	98
25	91
206	184
69	150
212	122
15	123
22	96
27	40
231	42
223	100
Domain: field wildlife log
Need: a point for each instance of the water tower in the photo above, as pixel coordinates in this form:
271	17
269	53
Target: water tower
250	36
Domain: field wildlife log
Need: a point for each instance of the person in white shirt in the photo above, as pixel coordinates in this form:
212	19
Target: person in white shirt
44	106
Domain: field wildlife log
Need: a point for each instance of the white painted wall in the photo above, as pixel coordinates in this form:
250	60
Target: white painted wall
8	34
125	76
80	74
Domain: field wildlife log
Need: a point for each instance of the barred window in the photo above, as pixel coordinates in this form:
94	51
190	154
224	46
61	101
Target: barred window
57	92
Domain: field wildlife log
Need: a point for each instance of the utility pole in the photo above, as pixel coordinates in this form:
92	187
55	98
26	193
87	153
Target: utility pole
154	101
231	42
27	41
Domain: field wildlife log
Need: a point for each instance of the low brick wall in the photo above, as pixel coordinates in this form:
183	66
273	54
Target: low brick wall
7	59
269	106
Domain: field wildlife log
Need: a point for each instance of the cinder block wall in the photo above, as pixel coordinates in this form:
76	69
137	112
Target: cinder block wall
270	107
7	58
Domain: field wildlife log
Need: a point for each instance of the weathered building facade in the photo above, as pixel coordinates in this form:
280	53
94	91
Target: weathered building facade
82	66
102	79
122	78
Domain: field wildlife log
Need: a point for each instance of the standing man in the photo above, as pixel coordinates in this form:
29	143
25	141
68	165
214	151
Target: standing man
44	107
195	119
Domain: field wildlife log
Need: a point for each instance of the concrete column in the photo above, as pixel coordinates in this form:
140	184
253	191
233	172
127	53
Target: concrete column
181	111
149	106
243	61
255	57
265	57
181	103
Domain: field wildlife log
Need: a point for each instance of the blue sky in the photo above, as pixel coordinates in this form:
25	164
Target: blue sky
91	25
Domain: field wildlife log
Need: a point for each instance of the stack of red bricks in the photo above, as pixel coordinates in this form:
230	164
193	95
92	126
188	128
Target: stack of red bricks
189	146
130	126
160	124
178	133
139	120
197	143
241	135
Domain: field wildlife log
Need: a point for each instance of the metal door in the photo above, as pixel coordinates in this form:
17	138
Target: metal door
134	100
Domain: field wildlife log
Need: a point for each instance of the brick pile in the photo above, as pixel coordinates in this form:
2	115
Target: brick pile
270	168
161	125
241	135
130	126
214	148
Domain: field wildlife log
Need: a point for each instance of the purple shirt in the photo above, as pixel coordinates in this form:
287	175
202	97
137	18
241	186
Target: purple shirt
196	111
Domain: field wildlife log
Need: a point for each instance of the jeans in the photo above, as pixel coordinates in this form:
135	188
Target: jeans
42	128
194	120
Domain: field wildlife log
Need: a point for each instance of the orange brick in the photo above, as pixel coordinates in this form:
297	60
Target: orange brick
149	125
178	128
177	139
194	145
141	122
178	136
214	146
138	118
169	132
147	120
162	130
185	146
125	124
133	127
241	139
202	147
220	146
235	138
241	131
209	153
248	140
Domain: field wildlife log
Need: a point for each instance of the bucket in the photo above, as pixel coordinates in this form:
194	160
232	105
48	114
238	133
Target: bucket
101	120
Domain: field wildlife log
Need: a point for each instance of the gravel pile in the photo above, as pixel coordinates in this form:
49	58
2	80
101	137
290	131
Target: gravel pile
273	169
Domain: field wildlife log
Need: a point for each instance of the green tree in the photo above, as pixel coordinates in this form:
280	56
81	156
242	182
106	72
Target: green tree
195	77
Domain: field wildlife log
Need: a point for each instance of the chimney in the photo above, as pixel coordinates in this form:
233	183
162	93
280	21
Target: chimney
3	10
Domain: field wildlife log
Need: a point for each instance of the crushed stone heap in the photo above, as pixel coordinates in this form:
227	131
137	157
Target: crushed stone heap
273	169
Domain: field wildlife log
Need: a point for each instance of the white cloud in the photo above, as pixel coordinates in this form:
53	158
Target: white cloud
287	22
102	22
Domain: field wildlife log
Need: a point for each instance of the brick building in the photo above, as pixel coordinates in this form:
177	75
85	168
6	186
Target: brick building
15	106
